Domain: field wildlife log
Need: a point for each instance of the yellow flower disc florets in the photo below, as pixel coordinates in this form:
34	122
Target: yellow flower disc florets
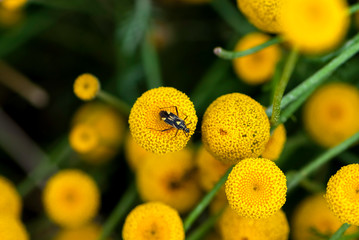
258	67
169	178
313	216
256	188
153	221
12	229
331	114
71	198
264	14
87	232
150	131
315	26
83	138
234	227
235	127
86	86
10	200
342	194
275	144
12	4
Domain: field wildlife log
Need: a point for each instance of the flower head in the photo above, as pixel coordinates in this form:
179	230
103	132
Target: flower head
256	188
12	4
342	194
263	14
169	178
313	214
12	229
234	227
153	221
275	144
235	127
86	86
83	138
10	200
331	115
71	198
90	231
315	26
151	131
258	67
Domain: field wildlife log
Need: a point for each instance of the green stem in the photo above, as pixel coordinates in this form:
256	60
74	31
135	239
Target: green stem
350	236
205	201
123	107
220	52
119	212
282	84
297	177
340	232
310	84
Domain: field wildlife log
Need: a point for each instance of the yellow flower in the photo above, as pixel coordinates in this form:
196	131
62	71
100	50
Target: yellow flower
331	115
263	14
148	128
83	138
258	67
343	194
71	198
210	170
317	26
12	4
313	214
153	221
256	188
275	144
234	227
86	86
235	127
169	178
87	232
10	200
12	229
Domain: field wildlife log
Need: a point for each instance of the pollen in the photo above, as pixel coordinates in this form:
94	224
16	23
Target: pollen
10	200
153	221
12	4
275	144
71	198
256	188
256	68
315	27
86	86
83	138
342	194
331	115
90	231
12	229
245	123
150	131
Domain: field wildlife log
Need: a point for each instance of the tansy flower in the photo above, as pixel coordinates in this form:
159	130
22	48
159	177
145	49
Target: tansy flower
343	194
10	200
153	221
87	232
169	178
258	67
275	144
83	138
235	227
12	4
12	229
317	26
71	198
235	127
86	86
331	115
256	188
263	14
313	216
149	128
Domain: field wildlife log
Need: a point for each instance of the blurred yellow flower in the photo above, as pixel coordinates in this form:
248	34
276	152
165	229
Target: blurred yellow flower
10	200
342	194
150	130
275	144
12	4
331	114
317	26
171	179
256	68
153	221
256	188
264	14
83	138
87	232
9	18
235	127
86	86
11	228
313	215
234	227
71	198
